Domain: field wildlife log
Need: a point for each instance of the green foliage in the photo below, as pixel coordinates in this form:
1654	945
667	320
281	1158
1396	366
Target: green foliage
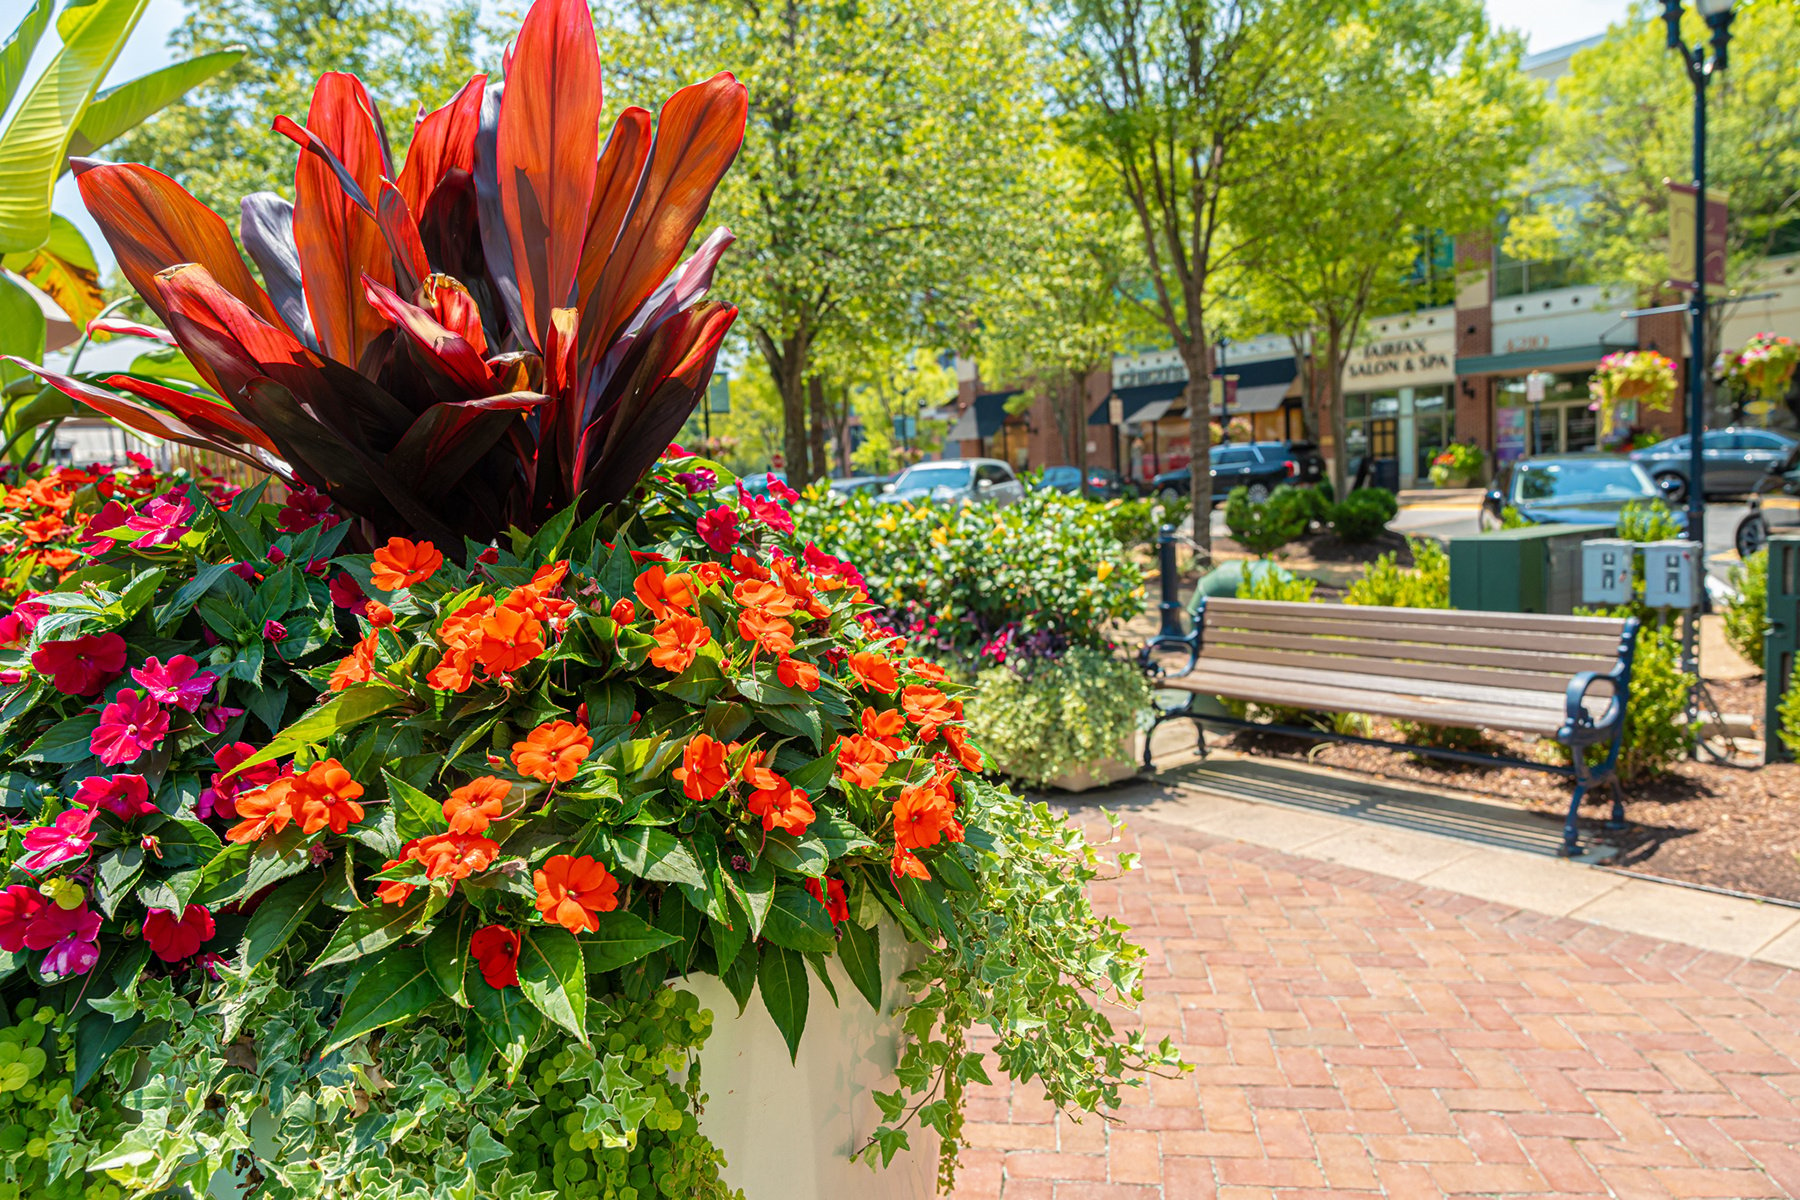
1426	584
46	1134
1747	616
1648	521
1070	713
1363	514
1136	521
1788	713
1459	460
1272	583
1657	736
977	583
1511	518
1266	527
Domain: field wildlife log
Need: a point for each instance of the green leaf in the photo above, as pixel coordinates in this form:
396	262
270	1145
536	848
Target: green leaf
676	916
123	107
699	683
801	856
35	143
799	922
352	706
402	988
370	929
65	743
119	870
415	814
447	952
623	938
96	1037
649	853
63	268
740	977
838	835
781	977
16	53
277	918
860	951
552	975
501	1017
276	857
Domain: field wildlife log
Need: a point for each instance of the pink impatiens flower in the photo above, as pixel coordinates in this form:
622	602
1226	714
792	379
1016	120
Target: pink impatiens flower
81	666
719	528
125	796
67	837
347	593
69	935
220	797
112	515
162	523
274	631
766	511
180	681
19	904
215	718
130	726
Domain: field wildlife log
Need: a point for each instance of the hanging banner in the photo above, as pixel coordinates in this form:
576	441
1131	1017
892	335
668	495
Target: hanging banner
1681	237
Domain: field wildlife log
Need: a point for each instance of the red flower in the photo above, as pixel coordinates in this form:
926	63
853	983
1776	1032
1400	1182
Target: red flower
274	631
719	528
402	563
18	905
129	728
495	949
552	751
837	904
82	666
624	611
779	803
797	673
872	671
703	773
347	593
173	938
220	797
572	891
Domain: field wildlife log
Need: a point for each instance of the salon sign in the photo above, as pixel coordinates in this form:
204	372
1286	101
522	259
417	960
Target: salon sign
1410	359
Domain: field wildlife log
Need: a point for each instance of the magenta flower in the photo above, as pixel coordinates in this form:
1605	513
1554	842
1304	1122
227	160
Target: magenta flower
129	727
180	682
69	836
274	631
220	797
125	796
162	523
719	528
19	904
766	511
69	935
782	491
112	515
216	718
697	481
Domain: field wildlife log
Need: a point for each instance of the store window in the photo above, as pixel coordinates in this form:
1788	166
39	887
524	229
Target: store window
1432	424
1561	423
1372	425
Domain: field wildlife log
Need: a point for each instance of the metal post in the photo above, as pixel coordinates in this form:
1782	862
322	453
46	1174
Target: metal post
1171	586
1696	497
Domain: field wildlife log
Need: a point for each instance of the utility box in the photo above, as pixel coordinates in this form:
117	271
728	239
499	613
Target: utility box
1671	574
1606	566
1532	570
1781	637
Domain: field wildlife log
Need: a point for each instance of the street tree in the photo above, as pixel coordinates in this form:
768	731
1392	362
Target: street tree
1422	122
879	170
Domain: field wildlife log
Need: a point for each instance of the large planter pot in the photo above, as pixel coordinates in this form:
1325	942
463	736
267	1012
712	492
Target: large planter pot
1104	773
787	1128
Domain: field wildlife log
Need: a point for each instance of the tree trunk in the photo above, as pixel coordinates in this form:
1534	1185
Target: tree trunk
1078	446
1334	394
787	366
1199	403
820	421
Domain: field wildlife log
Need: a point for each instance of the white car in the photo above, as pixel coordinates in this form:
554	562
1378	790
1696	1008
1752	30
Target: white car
957	481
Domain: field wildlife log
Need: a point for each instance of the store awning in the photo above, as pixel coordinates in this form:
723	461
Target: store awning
1532	360
1266	398
1261	386
1151	413
982	419
1133	400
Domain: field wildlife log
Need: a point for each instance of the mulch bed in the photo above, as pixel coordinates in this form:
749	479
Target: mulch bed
1726	826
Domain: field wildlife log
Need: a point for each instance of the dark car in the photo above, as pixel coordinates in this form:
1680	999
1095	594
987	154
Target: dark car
1261	467
1735	461
1570	489
1102	482
860	485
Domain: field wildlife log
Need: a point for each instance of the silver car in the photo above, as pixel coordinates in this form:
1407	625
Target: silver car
957	481
1735	460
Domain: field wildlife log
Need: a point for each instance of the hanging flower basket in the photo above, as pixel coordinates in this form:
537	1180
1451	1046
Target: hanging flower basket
1623	383
1764	369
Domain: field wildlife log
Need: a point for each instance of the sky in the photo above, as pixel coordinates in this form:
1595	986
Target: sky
1545	23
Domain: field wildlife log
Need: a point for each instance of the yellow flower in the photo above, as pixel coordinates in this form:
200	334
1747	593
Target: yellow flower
940	537
1104	570
887	523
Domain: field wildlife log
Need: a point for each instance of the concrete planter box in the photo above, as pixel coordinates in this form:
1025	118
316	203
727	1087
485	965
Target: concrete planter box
1103	773
787	1128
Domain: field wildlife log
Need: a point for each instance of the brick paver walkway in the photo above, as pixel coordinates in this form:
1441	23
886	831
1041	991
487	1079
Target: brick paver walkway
1356	1035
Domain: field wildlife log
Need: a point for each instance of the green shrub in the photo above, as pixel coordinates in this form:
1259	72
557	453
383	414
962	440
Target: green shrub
1261	528
1386	584
1363	514
1656	735
1746	617
1648	521
1136	520
1074	712
1318	503
1266	581
1512	518
1788	713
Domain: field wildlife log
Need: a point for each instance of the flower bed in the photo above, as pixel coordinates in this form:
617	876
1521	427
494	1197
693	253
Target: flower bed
353	842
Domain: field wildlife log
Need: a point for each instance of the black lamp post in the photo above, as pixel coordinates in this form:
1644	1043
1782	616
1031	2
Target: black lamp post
1700	69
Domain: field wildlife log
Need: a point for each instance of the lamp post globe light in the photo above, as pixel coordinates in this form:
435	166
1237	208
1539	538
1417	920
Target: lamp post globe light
1700	69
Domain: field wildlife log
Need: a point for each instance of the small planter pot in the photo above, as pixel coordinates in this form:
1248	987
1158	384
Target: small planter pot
787	1128
1103	773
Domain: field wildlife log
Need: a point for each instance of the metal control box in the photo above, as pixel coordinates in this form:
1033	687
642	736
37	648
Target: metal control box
1671	573
1606	571
1531	570
1781	637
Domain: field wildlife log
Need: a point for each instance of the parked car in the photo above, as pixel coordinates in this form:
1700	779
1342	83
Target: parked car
1102	482
860	485
1736	460
1260	467
1570	489
957	481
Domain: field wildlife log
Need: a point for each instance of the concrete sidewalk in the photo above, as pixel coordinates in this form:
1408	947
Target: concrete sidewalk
1459	843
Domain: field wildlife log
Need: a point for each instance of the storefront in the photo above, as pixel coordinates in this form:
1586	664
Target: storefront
1397	387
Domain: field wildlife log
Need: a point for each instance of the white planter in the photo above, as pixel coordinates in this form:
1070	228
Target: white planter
787	1128
1104	773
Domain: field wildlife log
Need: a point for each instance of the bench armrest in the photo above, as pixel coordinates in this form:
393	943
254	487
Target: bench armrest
1577	722
1189	642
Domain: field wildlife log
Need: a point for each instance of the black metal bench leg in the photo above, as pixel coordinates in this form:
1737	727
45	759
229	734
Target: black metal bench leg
1616	823
1572	825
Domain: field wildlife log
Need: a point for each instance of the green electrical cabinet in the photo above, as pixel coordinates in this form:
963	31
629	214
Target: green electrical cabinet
1781	636
1532	570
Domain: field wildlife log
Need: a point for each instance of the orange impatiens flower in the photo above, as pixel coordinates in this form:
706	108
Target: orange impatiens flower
769	632
358	665
924	668
862	760
395	891
402	563
797	673
905	864
770	597
325	797
624	611
926	812
265	811
703	773
455	855
378	614
461	632
678	640
552	751
42	529
967	756
664	594
571	891
779	803
474	805
885	727
510	638
929	709
872	671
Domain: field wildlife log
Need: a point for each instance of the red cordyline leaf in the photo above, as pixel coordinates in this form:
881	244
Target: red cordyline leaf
502	329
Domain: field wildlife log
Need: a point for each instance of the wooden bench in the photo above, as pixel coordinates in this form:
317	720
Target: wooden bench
1560	677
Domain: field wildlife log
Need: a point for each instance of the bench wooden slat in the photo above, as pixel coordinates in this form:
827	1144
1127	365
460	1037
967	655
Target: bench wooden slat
1474	699
1323	655
1380	704
1326	620
1459	618
1560	666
